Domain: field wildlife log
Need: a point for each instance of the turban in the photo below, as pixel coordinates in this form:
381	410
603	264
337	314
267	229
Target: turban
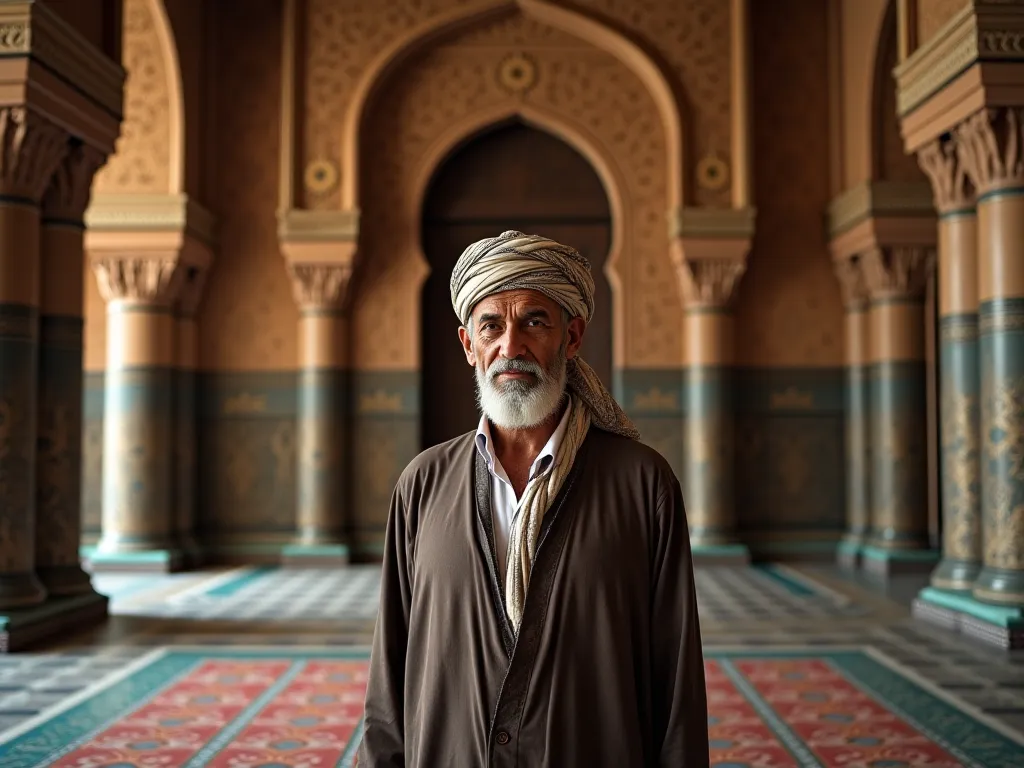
515	261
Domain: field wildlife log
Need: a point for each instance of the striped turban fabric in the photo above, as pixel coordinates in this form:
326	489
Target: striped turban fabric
516	261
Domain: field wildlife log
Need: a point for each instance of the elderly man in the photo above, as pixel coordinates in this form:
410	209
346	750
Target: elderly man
537	599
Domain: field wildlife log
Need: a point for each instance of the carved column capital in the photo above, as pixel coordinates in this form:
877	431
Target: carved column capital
320	286
70	187
898	272
31	148
989	145
852	283
710	282
150	279
951	188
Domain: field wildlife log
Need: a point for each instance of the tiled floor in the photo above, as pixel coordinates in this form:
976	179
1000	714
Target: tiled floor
765	608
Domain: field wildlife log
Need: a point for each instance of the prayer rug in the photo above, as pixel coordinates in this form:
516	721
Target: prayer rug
285	708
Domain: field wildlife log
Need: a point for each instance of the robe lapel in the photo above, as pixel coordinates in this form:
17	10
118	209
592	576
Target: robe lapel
554	534
485	532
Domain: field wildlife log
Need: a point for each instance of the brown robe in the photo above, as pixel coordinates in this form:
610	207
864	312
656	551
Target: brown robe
607	669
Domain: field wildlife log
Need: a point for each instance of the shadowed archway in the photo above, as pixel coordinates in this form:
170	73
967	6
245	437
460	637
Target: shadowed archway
510	176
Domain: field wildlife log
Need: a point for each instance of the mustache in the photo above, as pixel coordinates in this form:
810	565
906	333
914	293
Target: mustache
516	365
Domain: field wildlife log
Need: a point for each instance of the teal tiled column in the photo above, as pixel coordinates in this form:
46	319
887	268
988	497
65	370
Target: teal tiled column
959	384
59	448
138	435
321	537
30	150
858	455
897	278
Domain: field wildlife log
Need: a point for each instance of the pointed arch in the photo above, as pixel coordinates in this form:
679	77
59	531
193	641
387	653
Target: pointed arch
175	95
576	137
573	22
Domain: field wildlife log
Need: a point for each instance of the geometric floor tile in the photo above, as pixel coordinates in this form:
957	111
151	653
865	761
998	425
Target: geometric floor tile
221	707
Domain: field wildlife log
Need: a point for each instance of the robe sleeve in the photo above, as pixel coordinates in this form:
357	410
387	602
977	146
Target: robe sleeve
383	743
680	708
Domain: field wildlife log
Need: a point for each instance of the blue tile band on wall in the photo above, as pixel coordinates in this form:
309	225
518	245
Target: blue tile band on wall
59	455
247	457
959	436
323	415
385	438
92	456
899	493
138	454
1001	326
19	350
789	468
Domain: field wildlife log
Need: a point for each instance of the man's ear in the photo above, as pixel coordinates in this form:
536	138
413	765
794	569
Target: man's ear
577	326
467	345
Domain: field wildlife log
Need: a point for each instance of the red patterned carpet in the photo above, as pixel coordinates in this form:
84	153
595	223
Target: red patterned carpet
285	708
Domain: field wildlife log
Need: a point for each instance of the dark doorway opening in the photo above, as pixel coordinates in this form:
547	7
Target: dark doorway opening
512	176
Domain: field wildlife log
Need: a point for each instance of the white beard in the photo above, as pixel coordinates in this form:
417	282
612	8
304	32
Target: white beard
518	403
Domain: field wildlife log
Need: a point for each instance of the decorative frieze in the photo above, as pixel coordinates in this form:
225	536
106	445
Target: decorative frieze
320	286
989	145
146	280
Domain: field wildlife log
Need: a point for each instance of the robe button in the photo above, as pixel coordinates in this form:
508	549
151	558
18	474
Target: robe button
503	738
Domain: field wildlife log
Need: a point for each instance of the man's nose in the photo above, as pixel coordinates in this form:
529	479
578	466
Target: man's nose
512	342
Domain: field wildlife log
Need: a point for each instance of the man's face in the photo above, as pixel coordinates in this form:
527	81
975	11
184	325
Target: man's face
519	342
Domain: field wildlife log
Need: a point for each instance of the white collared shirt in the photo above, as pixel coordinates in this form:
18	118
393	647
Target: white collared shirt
504	504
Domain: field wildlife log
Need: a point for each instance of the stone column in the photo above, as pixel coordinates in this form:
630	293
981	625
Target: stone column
858	454
989	144
59	454
896	279
708	286
30	150
138	437
185	432
323	415
958	367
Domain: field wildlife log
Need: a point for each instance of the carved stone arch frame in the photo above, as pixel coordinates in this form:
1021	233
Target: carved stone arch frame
884	43
175	96
600	158
568	20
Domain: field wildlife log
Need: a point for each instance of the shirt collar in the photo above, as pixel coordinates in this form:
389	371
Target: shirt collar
485	444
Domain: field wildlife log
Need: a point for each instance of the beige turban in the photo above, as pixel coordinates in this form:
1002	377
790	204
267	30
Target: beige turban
515	261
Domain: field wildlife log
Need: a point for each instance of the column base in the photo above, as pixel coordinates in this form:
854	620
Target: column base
955	575
896	562
23	627
20	589
959	612
1000	587
849	551
191	552
145	561
65	580
315	555
720	554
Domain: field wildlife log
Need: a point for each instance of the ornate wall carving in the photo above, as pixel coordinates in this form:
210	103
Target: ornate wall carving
142	159
692	39
582	88
788	307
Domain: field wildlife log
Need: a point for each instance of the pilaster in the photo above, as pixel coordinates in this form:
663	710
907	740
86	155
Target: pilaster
144	252
320	252
710	249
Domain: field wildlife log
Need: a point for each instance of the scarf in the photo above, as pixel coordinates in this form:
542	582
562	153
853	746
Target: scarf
516	261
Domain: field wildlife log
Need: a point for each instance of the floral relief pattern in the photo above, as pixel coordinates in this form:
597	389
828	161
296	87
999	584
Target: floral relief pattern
1003	496
692	38
590	91
961	487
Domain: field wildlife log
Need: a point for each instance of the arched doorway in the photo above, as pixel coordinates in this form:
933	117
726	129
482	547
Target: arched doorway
512	176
